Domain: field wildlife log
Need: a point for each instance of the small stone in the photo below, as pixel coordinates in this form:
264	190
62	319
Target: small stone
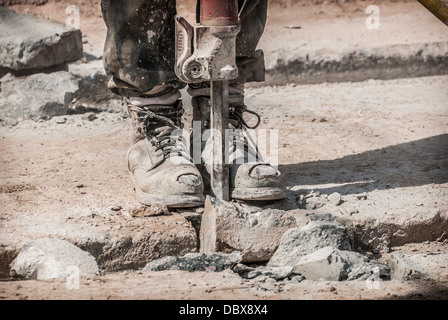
243	270
89	116
335	198
253	222
253	274
61	120
362	196
268	285
297	278
156	209
79	186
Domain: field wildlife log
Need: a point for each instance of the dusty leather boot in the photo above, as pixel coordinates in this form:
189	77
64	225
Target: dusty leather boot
250	177
160	165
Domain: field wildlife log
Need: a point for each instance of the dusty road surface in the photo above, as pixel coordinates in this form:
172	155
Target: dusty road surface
384	140
381	145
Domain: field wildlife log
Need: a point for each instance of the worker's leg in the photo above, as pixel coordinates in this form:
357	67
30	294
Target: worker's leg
139	48
139	55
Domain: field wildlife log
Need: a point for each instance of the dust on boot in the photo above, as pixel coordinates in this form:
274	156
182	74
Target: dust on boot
250	177
160	165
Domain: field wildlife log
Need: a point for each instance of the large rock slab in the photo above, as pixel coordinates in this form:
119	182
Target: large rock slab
28	43
49	258
322	231
37	96
196	262
228	227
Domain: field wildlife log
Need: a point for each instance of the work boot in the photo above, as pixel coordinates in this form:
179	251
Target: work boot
160	165
250	177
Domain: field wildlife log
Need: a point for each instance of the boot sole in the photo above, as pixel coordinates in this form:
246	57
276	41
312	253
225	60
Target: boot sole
171	201
267	193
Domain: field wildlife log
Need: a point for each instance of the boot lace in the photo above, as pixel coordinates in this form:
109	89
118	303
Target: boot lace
236	117
162	129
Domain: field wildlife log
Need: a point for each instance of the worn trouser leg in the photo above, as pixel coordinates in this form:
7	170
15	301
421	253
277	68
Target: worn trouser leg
139	50
249	60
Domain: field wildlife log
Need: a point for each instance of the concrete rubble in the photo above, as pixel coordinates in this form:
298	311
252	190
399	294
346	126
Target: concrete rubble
46	95
403	267
319	250
196	262
29	43
35	54
322	231
118	243
230	227
49	258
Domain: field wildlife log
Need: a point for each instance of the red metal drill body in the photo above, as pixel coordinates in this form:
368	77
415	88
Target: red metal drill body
206	53
219	12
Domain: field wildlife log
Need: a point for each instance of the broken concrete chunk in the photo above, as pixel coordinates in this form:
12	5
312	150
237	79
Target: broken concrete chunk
156	209
243	270
322	231
28	43
38	96
277	273
372	270
196	262
326	263
49	258
403	267
228	227
336	265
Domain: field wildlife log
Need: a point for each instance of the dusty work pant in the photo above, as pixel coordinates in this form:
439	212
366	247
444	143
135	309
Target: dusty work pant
139	49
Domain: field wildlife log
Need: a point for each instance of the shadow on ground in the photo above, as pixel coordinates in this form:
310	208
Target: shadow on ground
427	289
415	163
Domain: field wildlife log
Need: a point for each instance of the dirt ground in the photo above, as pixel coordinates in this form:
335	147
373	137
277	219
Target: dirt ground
381	144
